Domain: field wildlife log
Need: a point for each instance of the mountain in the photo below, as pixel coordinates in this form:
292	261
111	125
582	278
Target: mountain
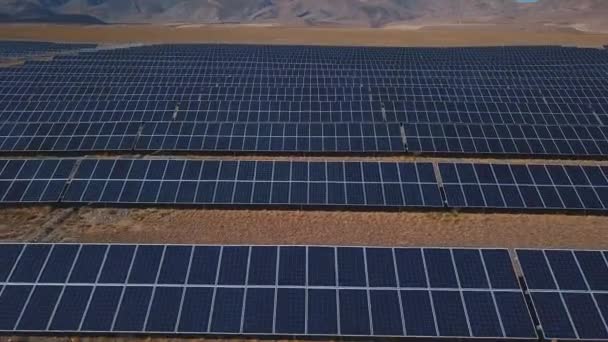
41	11
373	13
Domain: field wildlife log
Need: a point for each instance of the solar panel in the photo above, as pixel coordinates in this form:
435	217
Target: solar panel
546	101
311	137
258	183
20	49
72	137
568	140
569	291
305	184
34	104
33	180
531	187
262	290
266	137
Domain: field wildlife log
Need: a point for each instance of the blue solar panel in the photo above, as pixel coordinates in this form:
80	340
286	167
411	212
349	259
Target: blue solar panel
8	256
164	309
33	180
522	139
250	291
493	100
196	310
568	288
16	49
259	311
270	137
532	187
240	183
347	184
71	308
68	137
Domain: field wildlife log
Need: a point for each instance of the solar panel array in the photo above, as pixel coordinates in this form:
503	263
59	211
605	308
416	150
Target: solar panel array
262	290
20	49
531	187
34	180
525	101
158	181
254	183
540	101
569	290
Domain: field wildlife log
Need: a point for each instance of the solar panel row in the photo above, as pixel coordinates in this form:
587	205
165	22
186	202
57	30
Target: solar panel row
301	110
565	140
569	290
512	55
68	137
195	136
269	67
236	62
255	183
482	93
277	137
19	49
305	77
280	290
307	55
301	81
463	65
525	186
589	141
410	98
325	184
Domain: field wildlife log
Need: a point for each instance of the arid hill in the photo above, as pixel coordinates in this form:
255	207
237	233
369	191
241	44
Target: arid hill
587	14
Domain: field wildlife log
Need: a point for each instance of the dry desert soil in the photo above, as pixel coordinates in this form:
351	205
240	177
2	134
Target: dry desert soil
170	225
447	35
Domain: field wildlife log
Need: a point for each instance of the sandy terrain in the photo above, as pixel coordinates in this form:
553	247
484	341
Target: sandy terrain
453	35
302	227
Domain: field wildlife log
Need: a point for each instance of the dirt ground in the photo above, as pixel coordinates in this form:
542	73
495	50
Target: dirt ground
158	225
454	35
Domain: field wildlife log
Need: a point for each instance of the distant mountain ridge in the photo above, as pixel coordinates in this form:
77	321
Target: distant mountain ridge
372	13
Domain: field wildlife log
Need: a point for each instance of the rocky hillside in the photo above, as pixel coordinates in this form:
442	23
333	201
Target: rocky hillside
356	12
